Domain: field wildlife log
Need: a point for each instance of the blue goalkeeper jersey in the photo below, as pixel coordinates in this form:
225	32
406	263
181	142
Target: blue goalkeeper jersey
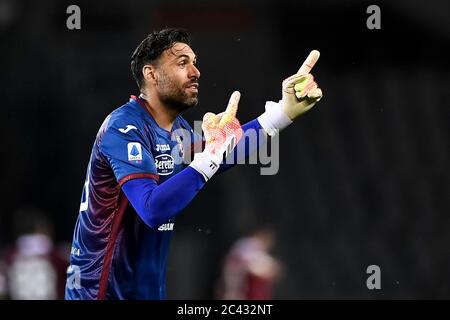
114	254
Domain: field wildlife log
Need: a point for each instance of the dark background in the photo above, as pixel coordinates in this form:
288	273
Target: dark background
363	177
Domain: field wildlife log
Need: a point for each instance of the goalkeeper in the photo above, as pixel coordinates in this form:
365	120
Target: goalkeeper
135	185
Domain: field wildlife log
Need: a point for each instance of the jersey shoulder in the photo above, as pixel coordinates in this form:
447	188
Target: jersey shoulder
125	118
123	125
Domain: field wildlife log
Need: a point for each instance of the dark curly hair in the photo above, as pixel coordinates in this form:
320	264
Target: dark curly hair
151	48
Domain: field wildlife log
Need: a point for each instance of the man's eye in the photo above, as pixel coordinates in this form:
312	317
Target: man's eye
182	63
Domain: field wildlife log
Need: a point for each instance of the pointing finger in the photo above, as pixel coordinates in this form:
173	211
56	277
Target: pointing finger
233	103
309	62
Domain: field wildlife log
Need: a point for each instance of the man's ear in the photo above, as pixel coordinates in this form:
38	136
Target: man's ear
150	74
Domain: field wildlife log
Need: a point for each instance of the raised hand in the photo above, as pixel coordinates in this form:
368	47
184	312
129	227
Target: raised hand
300	91
222	133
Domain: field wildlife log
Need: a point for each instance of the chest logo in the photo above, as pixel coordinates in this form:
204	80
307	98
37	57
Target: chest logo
162	147
164	164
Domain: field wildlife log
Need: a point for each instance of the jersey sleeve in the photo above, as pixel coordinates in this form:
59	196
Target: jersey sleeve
157	204
128	152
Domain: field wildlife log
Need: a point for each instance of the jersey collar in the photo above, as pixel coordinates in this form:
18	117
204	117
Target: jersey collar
143	104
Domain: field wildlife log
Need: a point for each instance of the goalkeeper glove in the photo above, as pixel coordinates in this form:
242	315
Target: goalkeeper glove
222	133
300	93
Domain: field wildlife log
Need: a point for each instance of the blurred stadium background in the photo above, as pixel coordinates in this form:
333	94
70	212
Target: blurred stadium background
363	177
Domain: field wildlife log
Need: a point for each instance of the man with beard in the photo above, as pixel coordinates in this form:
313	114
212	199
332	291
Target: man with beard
137	182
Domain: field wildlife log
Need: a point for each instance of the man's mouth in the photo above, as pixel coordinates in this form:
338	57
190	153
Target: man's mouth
193	87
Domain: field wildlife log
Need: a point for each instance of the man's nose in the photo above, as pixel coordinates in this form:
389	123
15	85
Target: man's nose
194	72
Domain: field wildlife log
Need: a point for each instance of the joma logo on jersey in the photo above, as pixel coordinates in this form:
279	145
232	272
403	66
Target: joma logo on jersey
127	128
134	151
164	164
162	147
166	227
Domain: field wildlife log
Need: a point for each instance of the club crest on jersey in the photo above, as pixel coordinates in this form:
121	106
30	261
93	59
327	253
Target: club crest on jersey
180	144
164	164
134	151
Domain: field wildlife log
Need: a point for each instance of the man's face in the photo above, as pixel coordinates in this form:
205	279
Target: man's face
177	82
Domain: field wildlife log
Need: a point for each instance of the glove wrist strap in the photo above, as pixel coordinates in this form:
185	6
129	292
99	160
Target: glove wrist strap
273	120
206	164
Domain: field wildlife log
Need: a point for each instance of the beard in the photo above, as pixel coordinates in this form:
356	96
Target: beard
174	95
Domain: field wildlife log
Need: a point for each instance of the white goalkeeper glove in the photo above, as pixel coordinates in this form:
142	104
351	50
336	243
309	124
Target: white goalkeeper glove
222	133
300	93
